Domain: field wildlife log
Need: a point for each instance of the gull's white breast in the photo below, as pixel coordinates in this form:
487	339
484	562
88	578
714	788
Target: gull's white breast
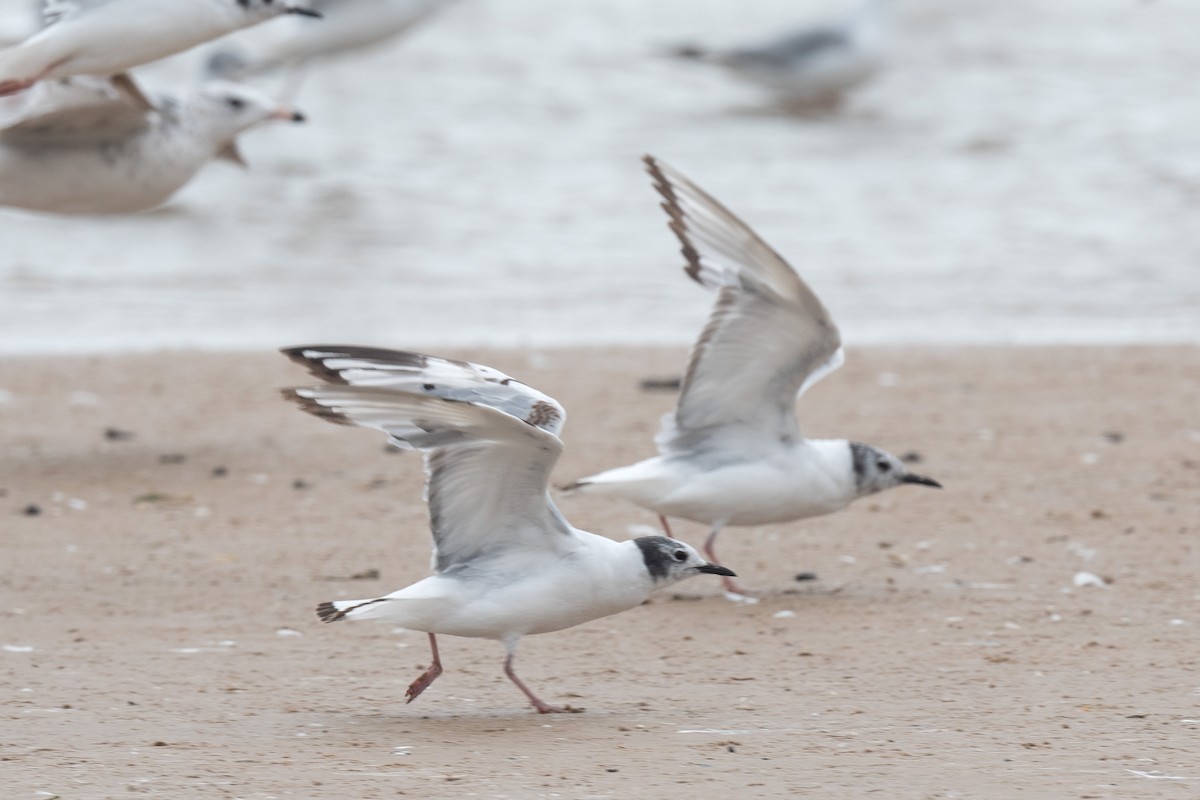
126	174
526	592
812	478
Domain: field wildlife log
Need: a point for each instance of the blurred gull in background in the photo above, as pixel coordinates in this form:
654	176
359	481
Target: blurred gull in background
80	146
107	37
732	452
346	26
811	69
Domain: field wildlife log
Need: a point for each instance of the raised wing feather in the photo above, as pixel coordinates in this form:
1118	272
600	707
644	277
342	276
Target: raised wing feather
490	441
447	378
768	336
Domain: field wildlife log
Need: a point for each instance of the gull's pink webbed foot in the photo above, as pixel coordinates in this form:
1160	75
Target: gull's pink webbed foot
543	708
428	676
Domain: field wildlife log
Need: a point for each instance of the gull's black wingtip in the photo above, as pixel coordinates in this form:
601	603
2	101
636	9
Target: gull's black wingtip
328	613
315	364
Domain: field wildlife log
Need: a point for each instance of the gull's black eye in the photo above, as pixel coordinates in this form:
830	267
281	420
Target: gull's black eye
680	555
236	103
883	466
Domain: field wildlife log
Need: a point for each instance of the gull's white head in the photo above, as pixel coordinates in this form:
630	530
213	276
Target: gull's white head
670	560
223	109
876	470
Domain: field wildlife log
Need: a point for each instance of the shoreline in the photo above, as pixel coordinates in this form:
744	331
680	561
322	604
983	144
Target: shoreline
129	347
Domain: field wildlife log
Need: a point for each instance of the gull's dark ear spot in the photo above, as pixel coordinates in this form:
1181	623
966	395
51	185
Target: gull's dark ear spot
656	557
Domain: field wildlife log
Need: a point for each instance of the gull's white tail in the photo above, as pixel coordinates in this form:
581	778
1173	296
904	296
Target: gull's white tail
335	610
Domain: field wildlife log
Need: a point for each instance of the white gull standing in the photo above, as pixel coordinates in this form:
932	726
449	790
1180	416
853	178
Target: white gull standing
732	452
506	562
108	37
80	146
811	69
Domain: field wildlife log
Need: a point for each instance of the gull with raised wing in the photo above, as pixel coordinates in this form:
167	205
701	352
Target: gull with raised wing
108	37
813	68
732	452
506	563
81	146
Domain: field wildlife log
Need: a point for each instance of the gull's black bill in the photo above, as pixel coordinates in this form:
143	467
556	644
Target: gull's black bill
717	569
921	479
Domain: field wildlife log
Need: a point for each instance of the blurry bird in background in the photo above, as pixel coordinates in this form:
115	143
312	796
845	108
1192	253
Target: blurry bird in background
108	37
346	26
812	69
80	146
77	133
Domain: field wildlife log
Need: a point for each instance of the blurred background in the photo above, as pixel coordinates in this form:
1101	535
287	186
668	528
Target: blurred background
1019	172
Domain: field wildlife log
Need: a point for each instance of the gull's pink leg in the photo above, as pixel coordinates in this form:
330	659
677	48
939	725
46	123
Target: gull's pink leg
666	528
710	551
428	676
543	708
13	87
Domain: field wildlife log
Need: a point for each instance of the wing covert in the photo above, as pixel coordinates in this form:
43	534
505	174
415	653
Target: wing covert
490	442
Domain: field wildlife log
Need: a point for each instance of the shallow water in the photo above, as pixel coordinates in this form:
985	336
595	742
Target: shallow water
1023	172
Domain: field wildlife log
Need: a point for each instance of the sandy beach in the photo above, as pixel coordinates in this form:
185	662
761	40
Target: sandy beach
1003	223
169	524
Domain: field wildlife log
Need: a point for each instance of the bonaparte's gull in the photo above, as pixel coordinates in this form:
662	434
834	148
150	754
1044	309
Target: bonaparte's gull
80	146
732	452
506	562
107	37
812	68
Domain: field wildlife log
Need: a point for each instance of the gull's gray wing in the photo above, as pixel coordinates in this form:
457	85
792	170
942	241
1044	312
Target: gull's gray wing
58	10
768	338
74	111
490	442
789	51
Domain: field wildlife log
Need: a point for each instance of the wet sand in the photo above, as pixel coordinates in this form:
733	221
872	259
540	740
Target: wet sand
158	634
